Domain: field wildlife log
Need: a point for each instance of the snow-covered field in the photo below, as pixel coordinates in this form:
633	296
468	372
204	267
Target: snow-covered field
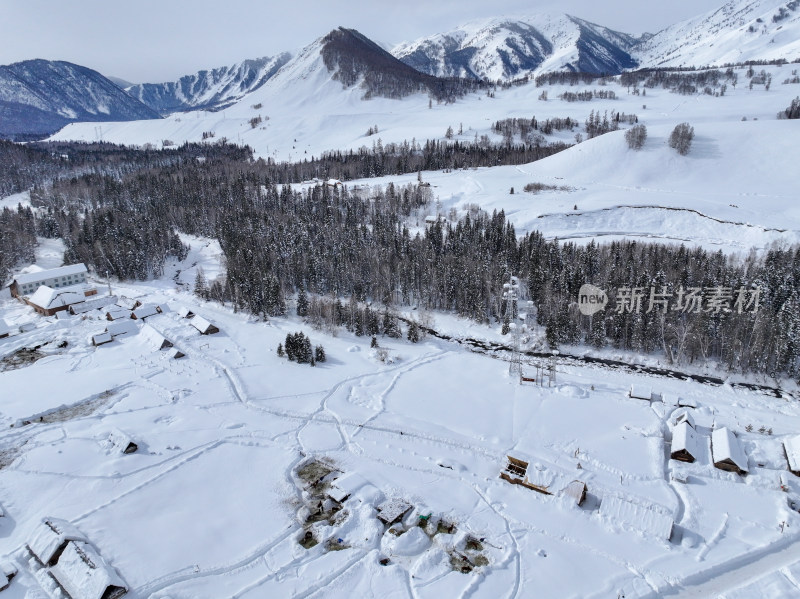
231	437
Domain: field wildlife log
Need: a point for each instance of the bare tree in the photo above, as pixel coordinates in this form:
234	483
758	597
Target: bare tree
636	136
681	138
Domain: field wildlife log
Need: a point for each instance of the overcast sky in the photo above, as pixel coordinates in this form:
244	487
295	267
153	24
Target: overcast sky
160	40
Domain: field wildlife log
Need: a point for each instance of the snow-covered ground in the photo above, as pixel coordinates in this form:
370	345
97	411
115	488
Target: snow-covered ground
218	497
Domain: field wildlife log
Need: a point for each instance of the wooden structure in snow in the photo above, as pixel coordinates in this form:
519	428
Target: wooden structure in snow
392	510
117	313
145	311
7	572
50	539
346	485
122	442
576	490
726	451
92	304
639	392
102	338
175	353
791	448
155	340
648	518
185	312
83	574
5	330
122	328
203	325
685	443
516	472
687	402
683	416
128	303
47	301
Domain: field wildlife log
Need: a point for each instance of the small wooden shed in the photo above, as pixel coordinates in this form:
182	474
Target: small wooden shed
5	330
576	490
640	392
84	574
392	510
102	338
516	472
50	538
145	311
685	443
204	326
791	448
727	453
185	312
122	442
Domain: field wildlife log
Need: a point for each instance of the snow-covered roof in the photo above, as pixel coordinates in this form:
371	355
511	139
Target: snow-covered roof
346	485
687	402
683	416
155	340
48	298
116	313
792	447
84	573
101	338
684	438
725	446
145	311
639	392
128	303
63	271
391	510
93	304
50	535
123	327
649	518
201	324
4	328
576	490
122	441
185	312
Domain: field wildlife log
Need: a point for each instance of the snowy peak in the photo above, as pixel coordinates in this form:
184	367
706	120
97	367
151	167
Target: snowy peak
209	89
505	49
353	59
739	31
38	97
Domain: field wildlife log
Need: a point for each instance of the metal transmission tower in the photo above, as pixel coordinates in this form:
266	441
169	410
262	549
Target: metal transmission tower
511	295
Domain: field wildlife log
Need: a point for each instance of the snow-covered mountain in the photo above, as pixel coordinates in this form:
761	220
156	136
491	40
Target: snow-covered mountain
212	89
739	31
505	49
38	97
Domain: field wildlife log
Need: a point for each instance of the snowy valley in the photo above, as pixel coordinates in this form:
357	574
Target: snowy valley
340	328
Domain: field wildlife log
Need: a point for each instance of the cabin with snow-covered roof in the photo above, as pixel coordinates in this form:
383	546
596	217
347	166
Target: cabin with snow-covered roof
47	300
791	447
145	311
683	416
121	328
685	443
102	338
117	313
122	441
204	326
55	278
92	304
50	538
5	330
154	340
726	451
128	303
83	574
185	312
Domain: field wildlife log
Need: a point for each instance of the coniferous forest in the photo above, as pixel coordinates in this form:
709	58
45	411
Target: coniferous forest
347	248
